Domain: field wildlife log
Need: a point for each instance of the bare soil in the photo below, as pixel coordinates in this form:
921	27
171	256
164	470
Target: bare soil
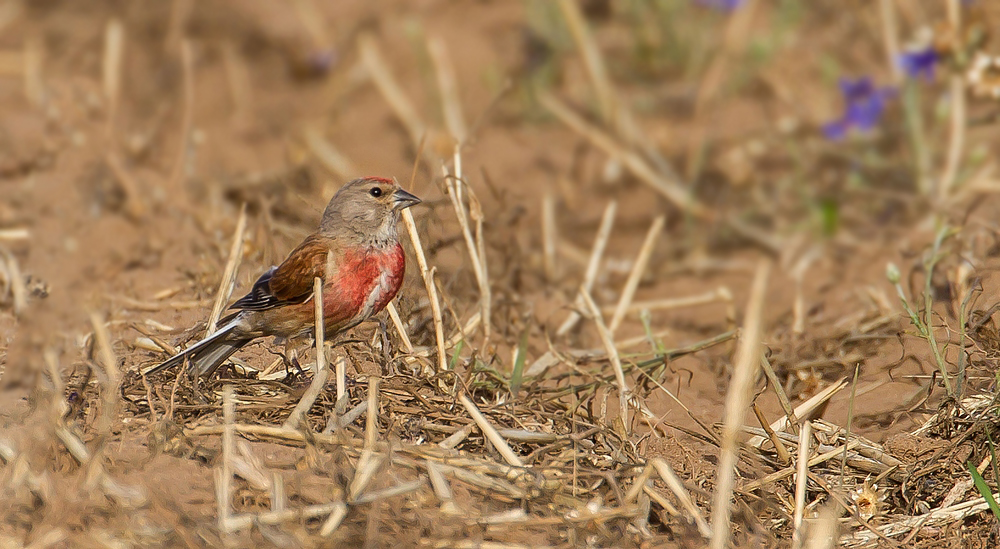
260	81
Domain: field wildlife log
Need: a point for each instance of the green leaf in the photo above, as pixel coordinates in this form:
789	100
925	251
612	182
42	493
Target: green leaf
993	457
522	356
455	355
984	489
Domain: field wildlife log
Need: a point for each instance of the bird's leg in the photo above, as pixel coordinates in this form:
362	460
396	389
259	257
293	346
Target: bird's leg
383	333
195	381
292	359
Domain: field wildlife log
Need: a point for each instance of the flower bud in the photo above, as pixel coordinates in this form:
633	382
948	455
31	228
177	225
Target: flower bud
892	273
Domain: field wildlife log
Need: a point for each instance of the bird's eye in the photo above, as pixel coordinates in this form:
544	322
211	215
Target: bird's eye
376	192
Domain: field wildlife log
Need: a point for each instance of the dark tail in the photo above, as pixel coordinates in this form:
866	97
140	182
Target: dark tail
208	354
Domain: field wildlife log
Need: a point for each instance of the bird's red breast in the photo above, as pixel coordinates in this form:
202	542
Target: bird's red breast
365	282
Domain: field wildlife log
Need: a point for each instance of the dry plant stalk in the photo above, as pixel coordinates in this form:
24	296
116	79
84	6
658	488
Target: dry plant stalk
491	433
822	532
432	295
457	437
677	487
15	233
783	455
638	269
333	521
812	462
803	410
401	106
715	296
550	236
322	372
73	444
638	483
187	118
34	58
17	286
632	161
400	328
734	41
805	434
224	478
313	22
454	184
890	37
279	501
609	345
737	400
238	80
368	465
454	120
390	89
590	275
957	120
592	61
341	365
476	212
111	68
441	488
329	156
369	462
779	391
935	517
134	207
228	281
371	422
246	520
180	12
798	275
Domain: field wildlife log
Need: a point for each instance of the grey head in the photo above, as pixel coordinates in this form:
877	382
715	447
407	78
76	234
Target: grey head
365	211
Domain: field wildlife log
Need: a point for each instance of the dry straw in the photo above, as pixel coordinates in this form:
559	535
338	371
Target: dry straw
638	269
428	276
616	363
593	266
111	68
322	371
228	281
329	156
550	236
805	434
957	115
490	432
34	60
187	118
737	401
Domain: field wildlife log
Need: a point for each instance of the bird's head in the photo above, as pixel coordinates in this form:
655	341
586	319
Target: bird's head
366	209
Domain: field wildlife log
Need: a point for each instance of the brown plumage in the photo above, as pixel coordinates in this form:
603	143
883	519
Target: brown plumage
355	251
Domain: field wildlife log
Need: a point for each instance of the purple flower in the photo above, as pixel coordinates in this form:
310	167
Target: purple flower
721	5
919	63
864	105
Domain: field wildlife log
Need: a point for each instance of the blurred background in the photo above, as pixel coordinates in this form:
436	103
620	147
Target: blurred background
828	137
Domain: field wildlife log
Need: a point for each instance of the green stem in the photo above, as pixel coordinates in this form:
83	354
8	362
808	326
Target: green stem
915	127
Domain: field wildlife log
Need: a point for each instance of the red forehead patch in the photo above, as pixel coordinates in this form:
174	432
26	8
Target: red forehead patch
379	179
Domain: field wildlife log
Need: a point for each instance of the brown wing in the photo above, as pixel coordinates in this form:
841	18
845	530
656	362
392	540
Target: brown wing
290	282
294	277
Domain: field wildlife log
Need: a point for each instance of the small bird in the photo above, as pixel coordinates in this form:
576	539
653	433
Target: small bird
357	254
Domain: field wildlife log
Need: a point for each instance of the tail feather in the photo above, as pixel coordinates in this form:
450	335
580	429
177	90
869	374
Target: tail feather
206	355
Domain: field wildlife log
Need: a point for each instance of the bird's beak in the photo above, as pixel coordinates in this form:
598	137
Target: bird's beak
402	200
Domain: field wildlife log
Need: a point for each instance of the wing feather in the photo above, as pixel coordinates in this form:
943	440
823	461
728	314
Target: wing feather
290	282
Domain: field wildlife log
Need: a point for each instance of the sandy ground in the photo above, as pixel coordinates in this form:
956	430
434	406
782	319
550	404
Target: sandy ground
131	219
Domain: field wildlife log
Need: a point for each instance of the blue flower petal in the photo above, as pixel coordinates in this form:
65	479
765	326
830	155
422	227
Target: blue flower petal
864	104
919	63
721	5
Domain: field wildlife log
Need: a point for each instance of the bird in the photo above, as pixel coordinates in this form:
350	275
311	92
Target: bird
355	251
